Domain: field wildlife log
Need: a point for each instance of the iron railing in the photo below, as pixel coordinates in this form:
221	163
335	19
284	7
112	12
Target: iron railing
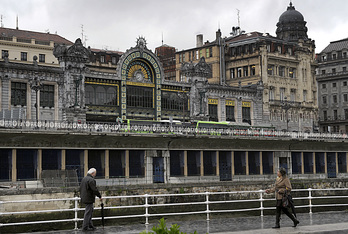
114	128
203	203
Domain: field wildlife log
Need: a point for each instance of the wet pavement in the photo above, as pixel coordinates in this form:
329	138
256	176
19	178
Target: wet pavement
324	222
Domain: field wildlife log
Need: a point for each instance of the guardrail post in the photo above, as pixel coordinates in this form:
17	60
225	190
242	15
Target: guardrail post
75	210
207	201
261	202
147	209
310	200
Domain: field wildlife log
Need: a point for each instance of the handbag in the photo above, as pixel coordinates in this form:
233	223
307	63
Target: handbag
285	200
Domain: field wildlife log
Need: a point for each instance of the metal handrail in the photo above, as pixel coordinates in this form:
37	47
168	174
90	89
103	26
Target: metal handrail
205	200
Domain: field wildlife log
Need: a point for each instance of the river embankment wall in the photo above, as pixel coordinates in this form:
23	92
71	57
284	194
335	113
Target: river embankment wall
71	192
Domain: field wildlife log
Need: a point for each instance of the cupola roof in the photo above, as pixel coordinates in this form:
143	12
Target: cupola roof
291	15
291	25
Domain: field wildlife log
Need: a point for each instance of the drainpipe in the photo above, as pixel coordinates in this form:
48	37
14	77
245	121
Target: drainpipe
221	45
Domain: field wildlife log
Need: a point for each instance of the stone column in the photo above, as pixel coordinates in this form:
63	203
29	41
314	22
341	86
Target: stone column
232	163
149	171
247	163
202	164
302	163
39	164
149	155
261	164
314	164
166	166
336	162
325	159
14	165
217	163
185	162
85	162
107	164
63	160
127	165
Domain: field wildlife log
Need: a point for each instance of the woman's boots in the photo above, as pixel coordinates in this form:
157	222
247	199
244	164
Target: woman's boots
286	211
278	212
291	216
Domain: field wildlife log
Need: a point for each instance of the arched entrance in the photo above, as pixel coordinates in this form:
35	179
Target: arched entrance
141	79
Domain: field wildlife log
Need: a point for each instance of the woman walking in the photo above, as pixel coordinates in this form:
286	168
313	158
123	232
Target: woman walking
281	186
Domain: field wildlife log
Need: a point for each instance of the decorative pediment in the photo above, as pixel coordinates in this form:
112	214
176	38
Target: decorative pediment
75	52
201	69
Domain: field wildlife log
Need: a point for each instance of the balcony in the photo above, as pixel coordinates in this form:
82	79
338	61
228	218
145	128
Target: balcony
333	119
281	103
332	75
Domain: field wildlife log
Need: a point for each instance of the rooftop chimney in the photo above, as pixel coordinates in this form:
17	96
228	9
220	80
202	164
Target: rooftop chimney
199	40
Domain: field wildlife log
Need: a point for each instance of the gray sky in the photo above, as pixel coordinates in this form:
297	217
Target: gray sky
116	24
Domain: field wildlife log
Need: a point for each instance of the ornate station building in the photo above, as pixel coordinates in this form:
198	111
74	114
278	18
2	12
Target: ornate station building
248	79
61	104
88	86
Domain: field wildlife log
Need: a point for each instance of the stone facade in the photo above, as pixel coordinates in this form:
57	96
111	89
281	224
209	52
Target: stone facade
284	65
332	77
14	74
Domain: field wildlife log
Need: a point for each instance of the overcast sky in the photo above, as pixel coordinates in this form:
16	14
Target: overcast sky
116	24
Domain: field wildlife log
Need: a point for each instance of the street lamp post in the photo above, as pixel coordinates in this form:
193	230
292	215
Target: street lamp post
286	106
36	85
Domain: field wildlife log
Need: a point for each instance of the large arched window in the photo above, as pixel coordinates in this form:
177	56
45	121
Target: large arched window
90	95
111	98
100	95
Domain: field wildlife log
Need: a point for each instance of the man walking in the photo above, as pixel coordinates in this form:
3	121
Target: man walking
88	192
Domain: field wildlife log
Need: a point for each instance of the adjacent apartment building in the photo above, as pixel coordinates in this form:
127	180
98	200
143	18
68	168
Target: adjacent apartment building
332	77
284	65
23	45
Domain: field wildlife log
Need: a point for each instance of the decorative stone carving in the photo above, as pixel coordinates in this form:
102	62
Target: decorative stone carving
259	88
141	44
73	60
201	69
77	52
6	57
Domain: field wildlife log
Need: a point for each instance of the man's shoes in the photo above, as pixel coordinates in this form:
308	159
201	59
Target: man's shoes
276	226
296	222
92	227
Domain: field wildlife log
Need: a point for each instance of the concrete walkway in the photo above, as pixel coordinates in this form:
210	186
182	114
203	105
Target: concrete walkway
325	222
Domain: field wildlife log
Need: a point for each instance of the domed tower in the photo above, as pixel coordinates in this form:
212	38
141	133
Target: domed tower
291	25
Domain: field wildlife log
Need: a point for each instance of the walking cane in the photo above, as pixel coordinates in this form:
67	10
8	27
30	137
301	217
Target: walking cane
102	213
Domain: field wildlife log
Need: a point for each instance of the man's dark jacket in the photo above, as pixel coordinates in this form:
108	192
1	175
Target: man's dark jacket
88	190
